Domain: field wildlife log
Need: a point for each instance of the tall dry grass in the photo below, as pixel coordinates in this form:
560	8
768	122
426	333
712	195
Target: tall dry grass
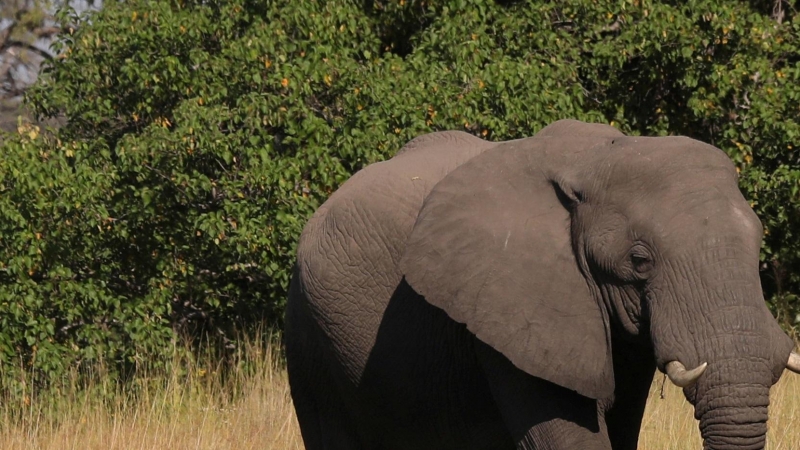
193	406
196	407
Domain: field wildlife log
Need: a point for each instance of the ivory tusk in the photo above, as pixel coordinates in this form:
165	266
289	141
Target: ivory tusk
681	377
794	362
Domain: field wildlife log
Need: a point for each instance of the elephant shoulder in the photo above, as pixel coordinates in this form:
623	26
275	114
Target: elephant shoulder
368	219
393	190
348	254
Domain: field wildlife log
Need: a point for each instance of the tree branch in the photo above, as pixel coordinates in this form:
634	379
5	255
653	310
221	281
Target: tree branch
10	45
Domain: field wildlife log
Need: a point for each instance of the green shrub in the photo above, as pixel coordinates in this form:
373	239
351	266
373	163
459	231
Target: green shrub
200	135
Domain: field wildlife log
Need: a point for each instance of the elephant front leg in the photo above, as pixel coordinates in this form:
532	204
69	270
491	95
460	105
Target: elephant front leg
538	414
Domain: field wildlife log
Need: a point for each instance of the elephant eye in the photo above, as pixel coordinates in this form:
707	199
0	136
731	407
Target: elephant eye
641	262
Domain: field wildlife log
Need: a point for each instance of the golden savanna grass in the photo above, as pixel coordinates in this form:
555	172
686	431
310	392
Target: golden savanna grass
193	406
196	407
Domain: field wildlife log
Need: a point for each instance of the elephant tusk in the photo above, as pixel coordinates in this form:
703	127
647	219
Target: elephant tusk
681	377
794	362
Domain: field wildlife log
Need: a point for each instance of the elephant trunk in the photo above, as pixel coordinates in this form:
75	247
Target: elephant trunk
733	332
732	396
732	405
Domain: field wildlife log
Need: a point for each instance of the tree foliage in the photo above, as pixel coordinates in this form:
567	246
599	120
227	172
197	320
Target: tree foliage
201	135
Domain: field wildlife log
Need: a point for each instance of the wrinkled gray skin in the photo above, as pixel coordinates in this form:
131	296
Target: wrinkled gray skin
477	295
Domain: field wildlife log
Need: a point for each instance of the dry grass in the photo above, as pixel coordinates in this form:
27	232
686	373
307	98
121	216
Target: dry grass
195	408
251	409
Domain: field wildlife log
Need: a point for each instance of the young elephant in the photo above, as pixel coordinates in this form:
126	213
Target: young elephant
477	295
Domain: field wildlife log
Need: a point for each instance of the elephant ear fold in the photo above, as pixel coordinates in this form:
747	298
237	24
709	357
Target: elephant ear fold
492	248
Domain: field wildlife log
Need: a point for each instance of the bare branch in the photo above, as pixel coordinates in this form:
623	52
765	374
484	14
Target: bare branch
777	11
10	45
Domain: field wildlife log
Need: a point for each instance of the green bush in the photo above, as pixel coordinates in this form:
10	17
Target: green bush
200	135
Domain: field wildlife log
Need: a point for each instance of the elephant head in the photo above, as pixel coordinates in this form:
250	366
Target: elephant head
547	247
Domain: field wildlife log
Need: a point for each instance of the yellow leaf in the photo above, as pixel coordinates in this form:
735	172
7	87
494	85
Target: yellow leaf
285	82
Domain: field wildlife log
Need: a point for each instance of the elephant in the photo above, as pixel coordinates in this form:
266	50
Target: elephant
468	294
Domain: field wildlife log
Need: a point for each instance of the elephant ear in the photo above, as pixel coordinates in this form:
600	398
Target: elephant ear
492	248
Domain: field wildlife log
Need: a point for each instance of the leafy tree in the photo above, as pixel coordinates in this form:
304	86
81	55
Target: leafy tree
201	135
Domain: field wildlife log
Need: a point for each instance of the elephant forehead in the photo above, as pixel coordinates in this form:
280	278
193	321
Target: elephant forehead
665	154
662	169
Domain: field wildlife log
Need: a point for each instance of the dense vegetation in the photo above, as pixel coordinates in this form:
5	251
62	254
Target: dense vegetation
200	134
